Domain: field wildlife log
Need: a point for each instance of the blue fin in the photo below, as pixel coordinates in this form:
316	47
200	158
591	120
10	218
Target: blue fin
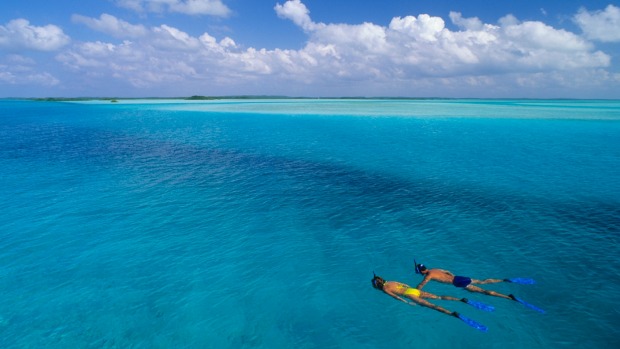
531	306
479	305
523	281
472	323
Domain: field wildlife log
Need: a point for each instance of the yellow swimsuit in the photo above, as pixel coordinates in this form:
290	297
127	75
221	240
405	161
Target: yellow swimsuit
410	291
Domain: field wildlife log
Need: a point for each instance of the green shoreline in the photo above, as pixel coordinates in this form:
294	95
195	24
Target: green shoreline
251	97
209	98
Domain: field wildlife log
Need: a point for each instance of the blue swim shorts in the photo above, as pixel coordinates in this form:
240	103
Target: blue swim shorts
461	281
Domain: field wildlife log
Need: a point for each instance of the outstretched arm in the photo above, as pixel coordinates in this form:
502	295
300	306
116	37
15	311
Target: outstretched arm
398	297
421	284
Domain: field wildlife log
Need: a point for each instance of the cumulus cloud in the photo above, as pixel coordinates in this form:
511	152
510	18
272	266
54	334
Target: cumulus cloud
111	25
19	34
163	54
412	52
297	12
424	27
173	39
20	70
472	23
600	25
20	77
414	46
190	7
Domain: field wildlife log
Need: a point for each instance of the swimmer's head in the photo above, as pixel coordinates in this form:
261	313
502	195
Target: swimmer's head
420	268
377	282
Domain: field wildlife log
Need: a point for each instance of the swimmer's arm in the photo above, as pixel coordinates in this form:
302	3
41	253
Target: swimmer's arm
397	297
421	284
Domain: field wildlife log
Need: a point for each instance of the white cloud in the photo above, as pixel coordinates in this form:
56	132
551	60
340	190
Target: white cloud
466	23
19	60
417	54
424	27
27	78
189	7
169	38
297	12
164	54
530	36
135	5
111	25
200	7
600	25
18	34
20	70
422	46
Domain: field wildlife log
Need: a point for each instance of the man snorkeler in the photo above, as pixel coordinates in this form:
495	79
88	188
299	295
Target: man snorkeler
464	282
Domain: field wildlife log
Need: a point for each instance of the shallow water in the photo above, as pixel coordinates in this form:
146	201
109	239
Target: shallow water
258	223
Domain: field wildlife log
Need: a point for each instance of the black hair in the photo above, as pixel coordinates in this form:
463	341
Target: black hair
377	282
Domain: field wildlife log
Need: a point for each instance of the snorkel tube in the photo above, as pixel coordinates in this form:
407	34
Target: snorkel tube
417	268
377	281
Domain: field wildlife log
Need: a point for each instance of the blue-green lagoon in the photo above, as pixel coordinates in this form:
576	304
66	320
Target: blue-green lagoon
259	223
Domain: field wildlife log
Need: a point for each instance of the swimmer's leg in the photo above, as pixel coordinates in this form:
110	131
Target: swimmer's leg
487	281
434	296
472	288
475	304
424	303
468	321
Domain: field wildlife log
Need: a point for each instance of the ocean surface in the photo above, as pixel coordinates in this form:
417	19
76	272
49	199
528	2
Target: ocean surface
259	223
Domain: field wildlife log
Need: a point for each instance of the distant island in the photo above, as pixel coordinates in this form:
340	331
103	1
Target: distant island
254	97
205	98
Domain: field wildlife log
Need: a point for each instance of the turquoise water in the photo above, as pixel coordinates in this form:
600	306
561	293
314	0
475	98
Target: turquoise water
258	223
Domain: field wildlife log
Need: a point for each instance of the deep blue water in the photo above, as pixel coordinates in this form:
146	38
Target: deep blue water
258	224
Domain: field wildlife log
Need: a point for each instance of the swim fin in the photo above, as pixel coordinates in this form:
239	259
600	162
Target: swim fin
531	306
471	322
523	281
478	305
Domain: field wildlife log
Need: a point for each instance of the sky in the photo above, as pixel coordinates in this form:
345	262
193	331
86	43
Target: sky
310	48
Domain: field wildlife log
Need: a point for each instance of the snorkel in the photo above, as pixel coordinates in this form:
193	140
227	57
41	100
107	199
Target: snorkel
419	268
376	281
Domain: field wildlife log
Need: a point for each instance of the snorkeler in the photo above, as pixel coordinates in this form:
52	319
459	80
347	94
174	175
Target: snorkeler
399	290
463	281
